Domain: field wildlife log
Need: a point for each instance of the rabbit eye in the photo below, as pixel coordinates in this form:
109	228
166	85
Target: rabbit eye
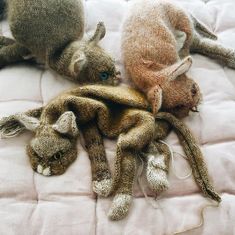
57	156
104	76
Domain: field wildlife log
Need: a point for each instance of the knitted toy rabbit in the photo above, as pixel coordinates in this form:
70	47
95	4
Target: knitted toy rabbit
156	41
110	111
98	110
52	31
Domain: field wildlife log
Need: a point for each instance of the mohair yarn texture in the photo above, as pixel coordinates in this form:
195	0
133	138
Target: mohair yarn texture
156	41
192	151
114	112
53	32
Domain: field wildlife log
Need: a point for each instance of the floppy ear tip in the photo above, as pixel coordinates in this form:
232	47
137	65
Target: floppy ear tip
10	127
101	24
29	122
102	27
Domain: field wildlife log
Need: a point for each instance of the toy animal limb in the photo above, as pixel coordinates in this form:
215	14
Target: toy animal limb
213	50
158	158
180	40
193	154
11	52
184	25
123	196
202	29
101	176
14	124
128	144
157	155
135	138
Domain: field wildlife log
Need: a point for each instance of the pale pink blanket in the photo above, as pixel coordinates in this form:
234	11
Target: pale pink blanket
32	204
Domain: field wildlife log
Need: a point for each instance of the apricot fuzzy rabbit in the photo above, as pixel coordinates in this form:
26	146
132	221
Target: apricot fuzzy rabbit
157	39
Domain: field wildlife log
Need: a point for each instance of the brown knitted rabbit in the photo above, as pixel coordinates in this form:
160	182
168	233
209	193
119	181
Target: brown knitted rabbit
102	110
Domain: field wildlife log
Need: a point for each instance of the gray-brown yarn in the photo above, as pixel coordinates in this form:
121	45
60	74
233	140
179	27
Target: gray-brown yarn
115	112
52	32
118	112
193	153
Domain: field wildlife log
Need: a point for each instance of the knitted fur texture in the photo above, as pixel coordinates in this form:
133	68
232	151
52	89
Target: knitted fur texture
52	31
156	41
191	149
115	112
96	111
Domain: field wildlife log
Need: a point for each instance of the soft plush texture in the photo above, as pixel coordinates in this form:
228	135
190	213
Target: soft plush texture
115	112
159	65
52	32
34	204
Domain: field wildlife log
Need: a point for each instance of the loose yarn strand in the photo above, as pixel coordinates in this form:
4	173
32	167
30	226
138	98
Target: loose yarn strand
202	219
173	161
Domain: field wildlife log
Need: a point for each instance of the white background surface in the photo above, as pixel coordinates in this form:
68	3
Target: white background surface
33	204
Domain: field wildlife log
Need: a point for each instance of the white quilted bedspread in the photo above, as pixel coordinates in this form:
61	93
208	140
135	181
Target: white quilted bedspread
32	204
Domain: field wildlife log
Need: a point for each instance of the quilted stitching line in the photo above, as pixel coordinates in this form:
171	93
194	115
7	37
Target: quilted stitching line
29	100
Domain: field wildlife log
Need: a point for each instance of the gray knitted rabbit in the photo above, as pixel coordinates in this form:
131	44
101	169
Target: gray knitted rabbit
52	31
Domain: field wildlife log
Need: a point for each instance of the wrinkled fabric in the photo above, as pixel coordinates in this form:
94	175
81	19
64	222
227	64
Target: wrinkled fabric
34	204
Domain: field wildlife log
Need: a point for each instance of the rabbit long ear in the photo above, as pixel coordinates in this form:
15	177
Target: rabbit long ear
66	124
13	125
175	70
155	98
78	62
99	33
30	123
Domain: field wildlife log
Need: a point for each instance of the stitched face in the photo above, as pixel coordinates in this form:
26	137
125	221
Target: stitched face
51	153
181	96
91	64
54	147
100	67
